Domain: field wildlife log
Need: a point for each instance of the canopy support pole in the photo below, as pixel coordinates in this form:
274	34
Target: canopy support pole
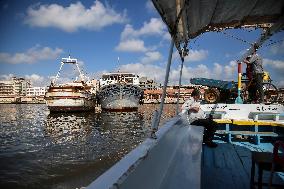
157	118
179	85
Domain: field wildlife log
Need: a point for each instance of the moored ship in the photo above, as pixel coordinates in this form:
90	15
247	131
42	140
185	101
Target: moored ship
119	92
73	96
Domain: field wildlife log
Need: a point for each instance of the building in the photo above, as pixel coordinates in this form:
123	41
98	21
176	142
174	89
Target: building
154	96
36	91
6	88
94	84
148	84
14	87
21	85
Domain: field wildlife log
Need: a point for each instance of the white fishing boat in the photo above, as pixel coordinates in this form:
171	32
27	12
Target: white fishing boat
174	157
119	92
72	96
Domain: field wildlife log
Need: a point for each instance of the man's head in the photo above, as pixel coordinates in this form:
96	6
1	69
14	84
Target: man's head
195	94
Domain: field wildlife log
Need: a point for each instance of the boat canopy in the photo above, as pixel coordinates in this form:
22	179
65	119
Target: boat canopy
186	19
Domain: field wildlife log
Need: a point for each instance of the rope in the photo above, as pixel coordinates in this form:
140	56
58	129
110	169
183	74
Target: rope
274	42
237	38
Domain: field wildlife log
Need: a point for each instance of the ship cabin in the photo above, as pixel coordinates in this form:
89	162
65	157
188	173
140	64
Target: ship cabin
119	77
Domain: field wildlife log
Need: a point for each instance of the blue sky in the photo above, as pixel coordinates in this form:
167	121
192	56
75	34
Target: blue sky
36	35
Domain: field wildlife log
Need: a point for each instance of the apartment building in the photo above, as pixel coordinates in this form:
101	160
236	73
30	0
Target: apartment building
36	91
148	84
15	86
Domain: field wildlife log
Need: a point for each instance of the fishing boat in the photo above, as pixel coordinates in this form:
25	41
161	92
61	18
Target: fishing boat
173	156
119	92
72	96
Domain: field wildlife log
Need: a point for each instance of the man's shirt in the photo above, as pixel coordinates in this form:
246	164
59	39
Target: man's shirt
192	116
256	62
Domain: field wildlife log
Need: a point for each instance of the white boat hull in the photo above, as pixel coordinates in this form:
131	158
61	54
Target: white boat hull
77	104
242	111
69	99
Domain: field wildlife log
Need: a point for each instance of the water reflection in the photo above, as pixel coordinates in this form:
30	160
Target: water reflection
64	127
62	150
122	124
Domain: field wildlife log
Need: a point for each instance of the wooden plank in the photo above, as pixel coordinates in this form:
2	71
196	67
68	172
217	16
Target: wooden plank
219	160
208	157
222	175
228	171
239	172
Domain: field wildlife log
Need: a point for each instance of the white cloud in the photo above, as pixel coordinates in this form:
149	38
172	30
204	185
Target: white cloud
151	57
148	70
154	27
193	55
196	55
130	38
276	69
277	49
6	77
158	72
230	70
37	80
61	80
167	36
32	55
74	16
275	64
132	45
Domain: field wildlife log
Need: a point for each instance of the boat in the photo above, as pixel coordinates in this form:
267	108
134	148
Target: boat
72	96
173	156
119	92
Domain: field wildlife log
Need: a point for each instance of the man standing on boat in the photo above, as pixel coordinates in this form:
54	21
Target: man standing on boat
197	117
257	70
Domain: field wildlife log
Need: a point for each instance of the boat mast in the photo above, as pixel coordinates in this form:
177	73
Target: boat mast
68	60
58	73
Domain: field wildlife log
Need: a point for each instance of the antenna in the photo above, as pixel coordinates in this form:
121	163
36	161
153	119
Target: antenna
118	63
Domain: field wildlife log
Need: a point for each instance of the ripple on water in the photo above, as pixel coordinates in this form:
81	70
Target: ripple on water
65	150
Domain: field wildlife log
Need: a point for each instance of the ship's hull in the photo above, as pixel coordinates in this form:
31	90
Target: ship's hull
66	100
70	104
120	97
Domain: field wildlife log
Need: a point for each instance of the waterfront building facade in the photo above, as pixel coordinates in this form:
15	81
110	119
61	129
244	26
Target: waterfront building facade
94	84
36	91
148	84
14	87
6	88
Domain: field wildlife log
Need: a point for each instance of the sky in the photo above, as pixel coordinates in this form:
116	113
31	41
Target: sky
112	35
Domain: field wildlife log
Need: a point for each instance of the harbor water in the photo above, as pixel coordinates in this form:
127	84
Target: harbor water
39	149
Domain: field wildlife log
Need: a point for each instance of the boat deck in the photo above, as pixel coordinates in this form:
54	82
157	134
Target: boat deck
229	166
